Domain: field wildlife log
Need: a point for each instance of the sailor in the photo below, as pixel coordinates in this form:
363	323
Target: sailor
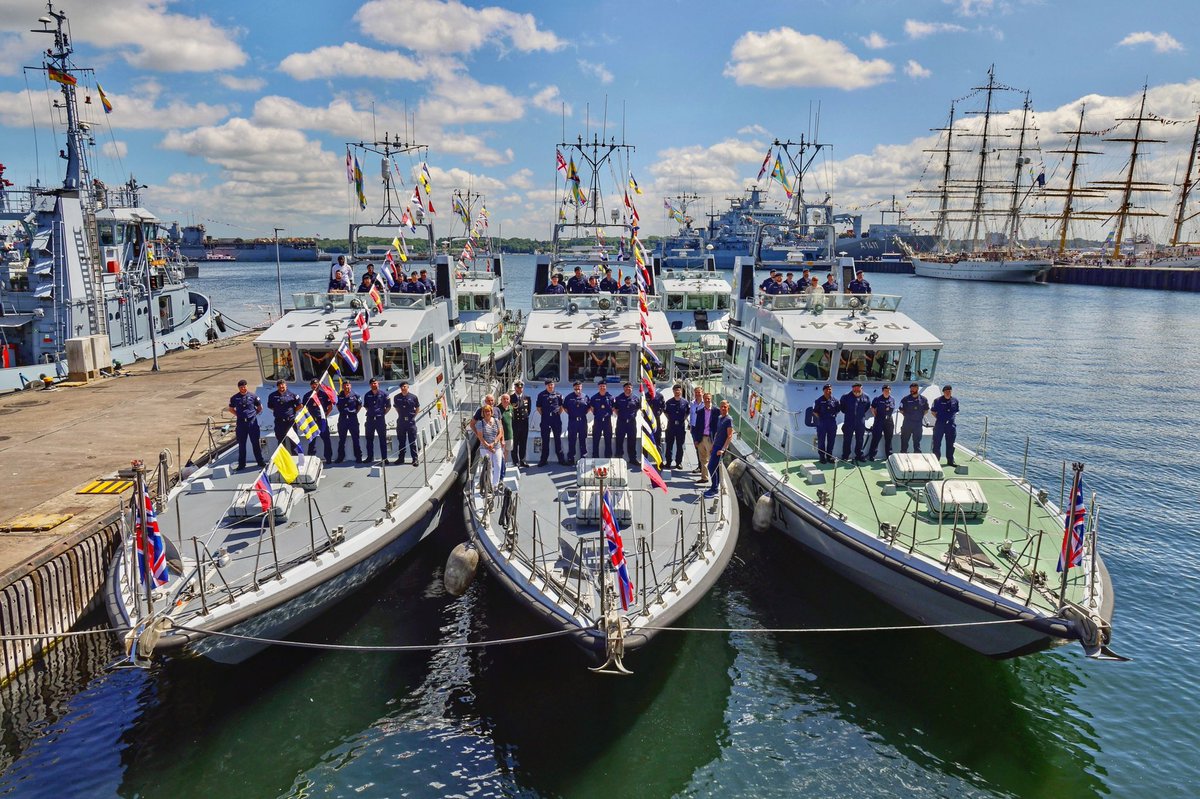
319	404
377	404
412	286
348	406
826	410
626	405
576	405
284	404
882	408
374	277
608	283
722	439
577	282
407	406
427	280
776	285
944	409
522	405
555	287
601	404
658	404
860	285
830	285
592	287
913	408
246	407
789	283
550	406
854	406
365	284
677	412
763	286
338	282
628	287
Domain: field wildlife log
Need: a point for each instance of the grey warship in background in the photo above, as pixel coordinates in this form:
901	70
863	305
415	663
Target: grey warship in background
84	274
194	243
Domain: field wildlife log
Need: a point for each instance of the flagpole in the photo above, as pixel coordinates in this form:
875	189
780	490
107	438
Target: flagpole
1068	533
278	280
139	491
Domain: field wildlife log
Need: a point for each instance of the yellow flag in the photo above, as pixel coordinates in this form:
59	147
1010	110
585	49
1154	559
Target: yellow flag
285	464
651	450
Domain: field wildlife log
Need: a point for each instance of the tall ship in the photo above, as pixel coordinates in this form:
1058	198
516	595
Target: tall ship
85	278
959	543
981	199
237	555
194	243
604	546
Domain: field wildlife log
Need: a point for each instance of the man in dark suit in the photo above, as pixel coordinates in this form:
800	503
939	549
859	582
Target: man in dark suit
704	426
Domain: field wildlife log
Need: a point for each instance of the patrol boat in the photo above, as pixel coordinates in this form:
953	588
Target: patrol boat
598	550
487	328
697	309
974	547
85	281
254	555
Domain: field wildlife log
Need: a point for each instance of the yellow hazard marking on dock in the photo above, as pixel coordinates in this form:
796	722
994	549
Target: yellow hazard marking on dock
34	522
106	487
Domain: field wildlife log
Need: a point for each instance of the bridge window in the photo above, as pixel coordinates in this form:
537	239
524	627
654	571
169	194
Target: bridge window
593	365
875	365
921	364
275	363
390	363
313	363
812	364
542	365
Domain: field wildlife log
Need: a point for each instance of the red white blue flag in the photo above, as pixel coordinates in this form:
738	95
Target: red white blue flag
262	487
1071	553
150	546
616	550
346	353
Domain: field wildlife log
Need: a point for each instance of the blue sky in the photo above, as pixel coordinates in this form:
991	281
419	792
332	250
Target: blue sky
237	114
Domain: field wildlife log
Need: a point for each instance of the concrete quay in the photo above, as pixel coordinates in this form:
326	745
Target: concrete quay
55	442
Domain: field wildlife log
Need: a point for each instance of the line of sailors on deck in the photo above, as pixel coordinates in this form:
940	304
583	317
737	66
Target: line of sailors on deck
779	283
578	284
342	278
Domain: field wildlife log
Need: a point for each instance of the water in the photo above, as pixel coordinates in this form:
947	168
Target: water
1090	374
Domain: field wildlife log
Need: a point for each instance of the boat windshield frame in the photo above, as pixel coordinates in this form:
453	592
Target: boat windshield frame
305	300
592	302
831	302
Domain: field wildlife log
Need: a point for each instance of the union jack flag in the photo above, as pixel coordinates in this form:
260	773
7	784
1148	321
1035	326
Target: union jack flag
1071	553
616	550
150	541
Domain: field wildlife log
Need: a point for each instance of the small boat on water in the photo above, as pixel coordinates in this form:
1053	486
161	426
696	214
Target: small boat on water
606	545
237	556
86	279
970	547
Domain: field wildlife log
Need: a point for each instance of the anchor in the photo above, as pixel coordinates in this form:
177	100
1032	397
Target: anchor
614	634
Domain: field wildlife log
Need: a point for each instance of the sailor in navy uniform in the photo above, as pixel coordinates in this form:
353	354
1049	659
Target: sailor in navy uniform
677	410
319	405
608	284
348	406
913	408
407	406
576	282
522	406
550	406
377	404
854	407
882	408
427	282
246	407
601	404
944	409
284	404
555	286
776	286
626	406
830	285
628	287
860	285
826	410
576	405
770	279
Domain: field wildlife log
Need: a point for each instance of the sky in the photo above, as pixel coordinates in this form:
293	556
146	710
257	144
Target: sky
237	114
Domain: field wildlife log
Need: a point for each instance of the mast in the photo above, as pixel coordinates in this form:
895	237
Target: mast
1185	189
976	218
800	165
1072	191
387	148
59	58
1014	211
595	154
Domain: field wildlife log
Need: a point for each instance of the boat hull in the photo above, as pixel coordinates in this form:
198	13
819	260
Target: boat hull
921	591
1002	271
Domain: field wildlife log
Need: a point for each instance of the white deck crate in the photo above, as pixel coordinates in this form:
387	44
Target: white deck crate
952	497
915	467
617	477
588	506
246	502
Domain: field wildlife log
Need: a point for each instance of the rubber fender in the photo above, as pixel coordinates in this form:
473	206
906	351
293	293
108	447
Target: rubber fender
764	513
219	321
460	569
737	470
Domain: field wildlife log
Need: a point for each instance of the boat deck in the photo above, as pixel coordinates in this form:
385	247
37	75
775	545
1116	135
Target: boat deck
1013	547
671	545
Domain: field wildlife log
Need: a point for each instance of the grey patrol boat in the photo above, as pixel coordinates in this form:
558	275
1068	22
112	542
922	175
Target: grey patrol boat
606	553
256	554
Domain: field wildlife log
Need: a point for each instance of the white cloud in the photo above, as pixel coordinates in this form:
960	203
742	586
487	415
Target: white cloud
975	8
596	70
247	84
916	29
549	99
447	180
784	57
875	41
434	26
915	70
144	32
521	179
114	149
353	60
139	111
753	130
460	99
1163	42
